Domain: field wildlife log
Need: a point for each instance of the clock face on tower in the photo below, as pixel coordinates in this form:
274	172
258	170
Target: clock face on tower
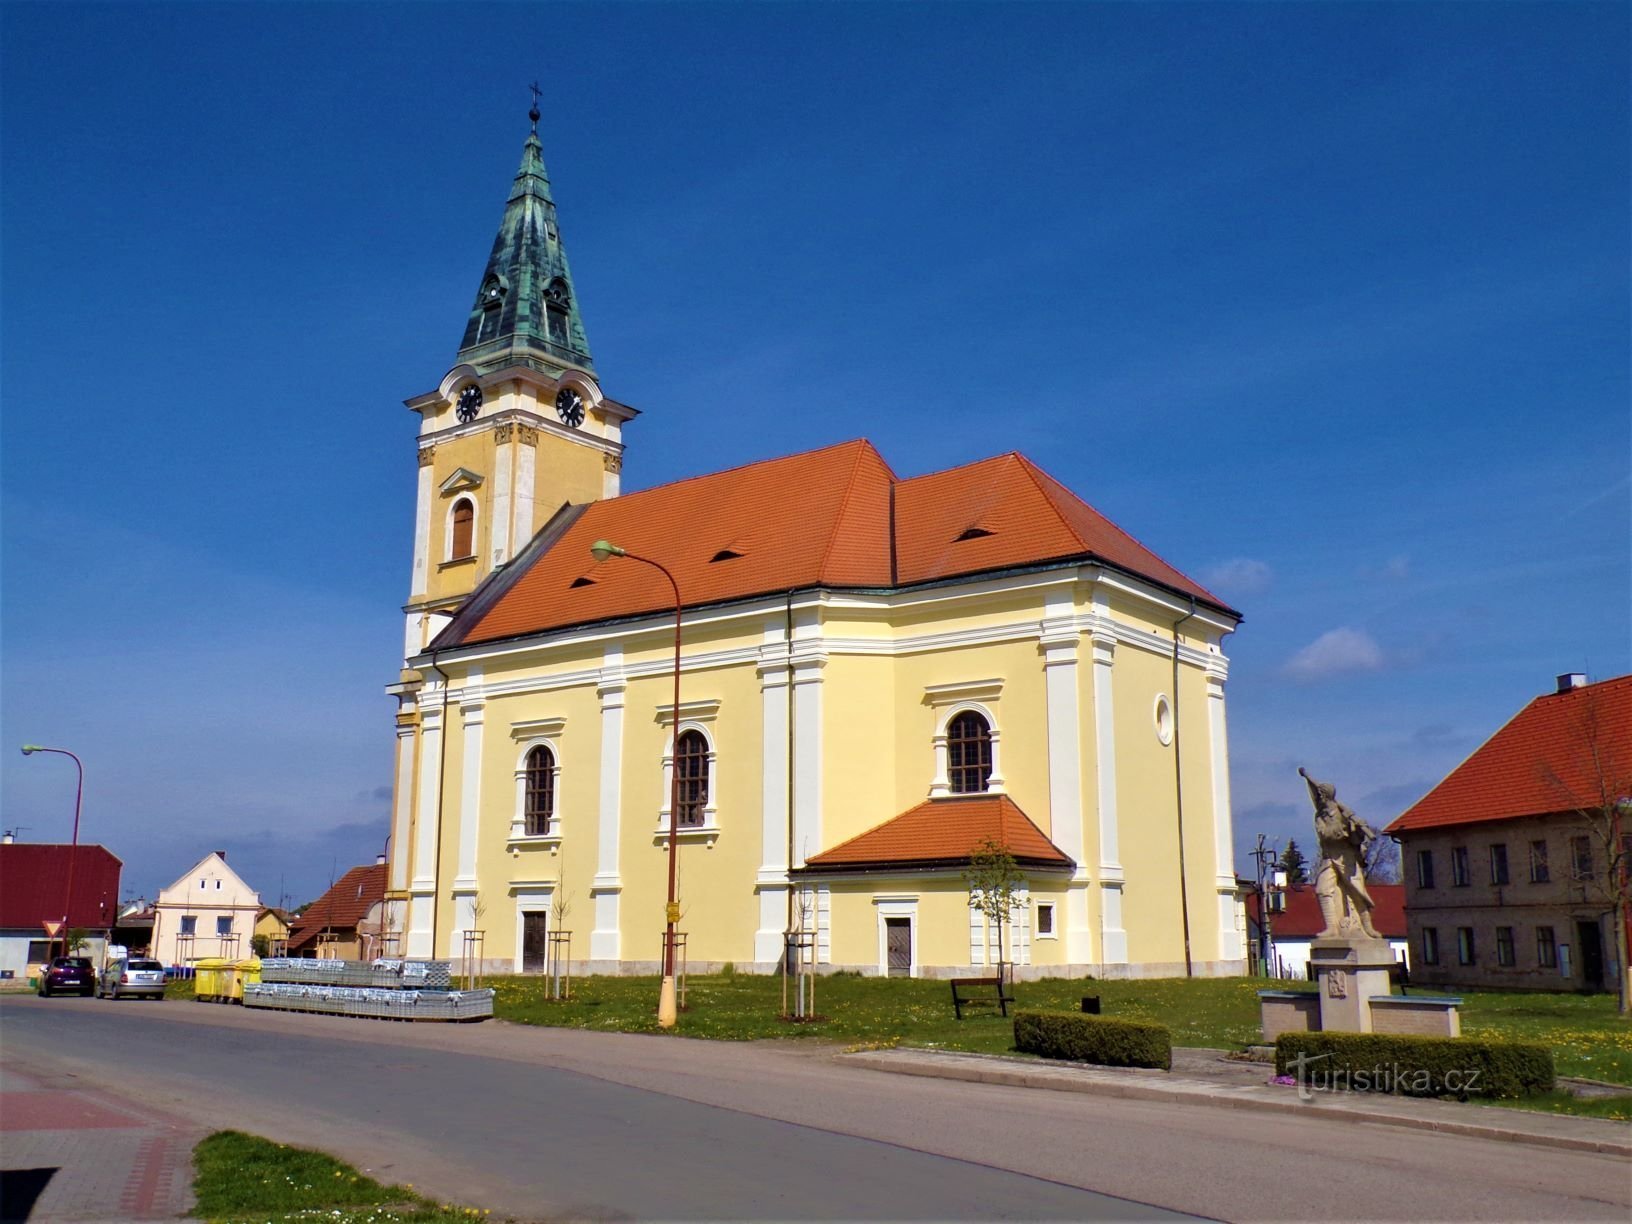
470	403
569	406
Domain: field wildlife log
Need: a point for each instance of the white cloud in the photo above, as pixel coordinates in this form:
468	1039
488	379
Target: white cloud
1395	569
1335	652
1238	575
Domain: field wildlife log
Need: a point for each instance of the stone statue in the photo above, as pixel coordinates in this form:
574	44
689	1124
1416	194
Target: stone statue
1340	880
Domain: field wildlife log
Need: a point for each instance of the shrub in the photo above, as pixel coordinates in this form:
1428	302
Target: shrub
1416	1066
1094	1039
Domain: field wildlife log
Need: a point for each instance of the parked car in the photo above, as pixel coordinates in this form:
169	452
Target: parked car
138	978
68	973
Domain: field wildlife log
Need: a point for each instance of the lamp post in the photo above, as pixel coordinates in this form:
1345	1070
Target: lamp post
604	550
73	851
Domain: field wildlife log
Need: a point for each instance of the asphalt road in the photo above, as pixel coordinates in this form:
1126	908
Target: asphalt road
544	1123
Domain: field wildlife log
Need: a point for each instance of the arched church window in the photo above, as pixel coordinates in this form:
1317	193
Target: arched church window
540	792
691	772
968	754
463	543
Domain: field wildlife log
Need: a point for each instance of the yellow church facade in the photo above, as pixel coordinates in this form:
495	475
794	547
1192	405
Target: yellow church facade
877	674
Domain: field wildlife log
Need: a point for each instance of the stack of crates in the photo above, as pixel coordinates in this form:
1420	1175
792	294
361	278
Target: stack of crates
382	989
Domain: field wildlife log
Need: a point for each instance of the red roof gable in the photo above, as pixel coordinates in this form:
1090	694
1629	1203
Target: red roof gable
341	908
34	883
944	832
836	517
1558	754
1301	918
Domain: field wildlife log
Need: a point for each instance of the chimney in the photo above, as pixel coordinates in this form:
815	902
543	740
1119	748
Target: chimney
379	860
7	839
1572	680
222	854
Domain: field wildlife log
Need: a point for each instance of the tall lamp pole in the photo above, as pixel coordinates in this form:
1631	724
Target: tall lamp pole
667	1013
73	852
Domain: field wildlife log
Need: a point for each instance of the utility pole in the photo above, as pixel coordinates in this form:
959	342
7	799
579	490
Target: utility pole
1263	854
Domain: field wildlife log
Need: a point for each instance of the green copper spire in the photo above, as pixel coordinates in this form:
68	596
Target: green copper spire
526	311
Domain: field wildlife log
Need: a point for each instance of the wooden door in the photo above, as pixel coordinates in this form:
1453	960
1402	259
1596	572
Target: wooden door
533	942
898	946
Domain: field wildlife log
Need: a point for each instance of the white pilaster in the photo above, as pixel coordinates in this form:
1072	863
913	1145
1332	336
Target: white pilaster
471	709
421	938
807	756
1113	939
402	813
772	882
521	505
607	886
499	546
1229	940
1059	644
422	532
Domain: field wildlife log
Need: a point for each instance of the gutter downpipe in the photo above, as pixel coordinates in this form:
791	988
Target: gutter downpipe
787	637
441	789
1178	793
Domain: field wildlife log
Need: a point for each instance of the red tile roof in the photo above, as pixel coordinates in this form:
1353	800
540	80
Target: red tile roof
943	833
34	882
1542	761
1302	920
836	517
341	908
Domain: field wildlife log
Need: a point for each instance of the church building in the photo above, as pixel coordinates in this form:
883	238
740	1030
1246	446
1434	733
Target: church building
878	675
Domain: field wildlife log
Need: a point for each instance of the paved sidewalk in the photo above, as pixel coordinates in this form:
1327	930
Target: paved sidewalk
1206	1077
71	1150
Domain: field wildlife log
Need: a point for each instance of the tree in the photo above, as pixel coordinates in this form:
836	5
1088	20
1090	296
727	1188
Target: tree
1382	860
993	879
1593	775
1294	863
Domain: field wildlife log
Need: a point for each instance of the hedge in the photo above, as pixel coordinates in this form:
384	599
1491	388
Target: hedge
1094	1039
1416	1066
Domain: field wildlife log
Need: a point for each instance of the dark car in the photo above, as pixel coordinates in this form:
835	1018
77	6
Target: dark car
68	973
138	977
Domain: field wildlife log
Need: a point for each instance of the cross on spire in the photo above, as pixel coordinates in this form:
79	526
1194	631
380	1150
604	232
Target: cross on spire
533	112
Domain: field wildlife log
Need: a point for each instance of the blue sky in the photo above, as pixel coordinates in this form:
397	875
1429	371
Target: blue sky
1327	304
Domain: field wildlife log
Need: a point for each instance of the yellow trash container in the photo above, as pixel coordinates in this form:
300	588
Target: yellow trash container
243	973
210	978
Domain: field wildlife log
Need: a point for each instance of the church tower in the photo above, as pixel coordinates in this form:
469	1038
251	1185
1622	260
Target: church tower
519	426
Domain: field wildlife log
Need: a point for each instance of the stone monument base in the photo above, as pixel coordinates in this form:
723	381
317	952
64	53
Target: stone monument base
1351	970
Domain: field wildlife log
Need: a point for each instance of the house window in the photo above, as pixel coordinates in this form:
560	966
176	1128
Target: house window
1504	946
189	924
1425	868
462	530
1538	861
539	803
1430	945
223	924
1581	857
1045	920
691	773
1464	945
218	886
1498	863
968	754
39	950
1546	948
1459	866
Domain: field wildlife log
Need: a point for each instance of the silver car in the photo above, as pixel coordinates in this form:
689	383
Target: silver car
138	978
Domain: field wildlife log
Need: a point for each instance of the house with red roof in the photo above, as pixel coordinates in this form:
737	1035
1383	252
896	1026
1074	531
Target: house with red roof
1513	863
346	922
35	888
878	672
1295	922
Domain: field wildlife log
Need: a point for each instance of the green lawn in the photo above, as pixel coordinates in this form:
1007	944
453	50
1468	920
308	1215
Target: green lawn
1587	1037
239	1178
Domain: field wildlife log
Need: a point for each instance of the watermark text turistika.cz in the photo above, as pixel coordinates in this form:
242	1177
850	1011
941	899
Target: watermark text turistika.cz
1383	1077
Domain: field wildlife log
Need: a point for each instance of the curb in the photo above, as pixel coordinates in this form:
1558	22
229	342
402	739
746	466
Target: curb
993	1069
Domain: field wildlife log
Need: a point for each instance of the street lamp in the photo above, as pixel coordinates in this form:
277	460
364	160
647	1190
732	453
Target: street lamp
73	852
605	550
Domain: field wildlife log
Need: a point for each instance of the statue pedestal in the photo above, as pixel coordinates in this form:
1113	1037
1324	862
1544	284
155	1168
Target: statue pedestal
1350	970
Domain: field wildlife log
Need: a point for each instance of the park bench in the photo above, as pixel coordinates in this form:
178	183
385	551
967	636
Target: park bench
996	990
